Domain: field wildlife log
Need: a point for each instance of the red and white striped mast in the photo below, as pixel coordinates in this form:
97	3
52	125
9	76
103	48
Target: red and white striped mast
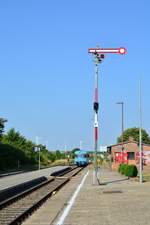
98	57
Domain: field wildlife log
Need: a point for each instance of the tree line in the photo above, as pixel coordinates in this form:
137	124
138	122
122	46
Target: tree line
134	134
16	151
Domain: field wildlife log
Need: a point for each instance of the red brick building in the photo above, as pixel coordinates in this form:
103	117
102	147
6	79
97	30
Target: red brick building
130	153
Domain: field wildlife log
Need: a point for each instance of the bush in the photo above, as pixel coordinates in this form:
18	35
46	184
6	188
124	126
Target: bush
123	168
128	170
131	171
9	157
119	168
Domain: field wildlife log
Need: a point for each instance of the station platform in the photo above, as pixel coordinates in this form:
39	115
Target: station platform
10	181
116	201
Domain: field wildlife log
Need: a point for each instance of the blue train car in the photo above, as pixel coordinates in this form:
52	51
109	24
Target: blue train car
81	158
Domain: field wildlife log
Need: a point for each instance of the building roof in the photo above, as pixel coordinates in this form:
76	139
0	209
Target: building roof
126	142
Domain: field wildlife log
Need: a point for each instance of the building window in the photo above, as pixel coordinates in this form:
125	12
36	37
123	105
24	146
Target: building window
130	155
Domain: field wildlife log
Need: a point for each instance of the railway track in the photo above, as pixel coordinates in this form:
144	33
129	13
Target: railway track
16	209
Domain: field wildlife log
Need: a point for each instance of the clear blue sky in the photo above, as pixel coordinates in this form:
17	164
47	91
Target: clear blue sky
47	75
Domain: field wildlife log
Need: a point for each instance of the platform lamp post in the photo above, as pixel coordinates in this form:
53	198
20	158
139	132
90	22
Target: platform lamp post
122	126
98	57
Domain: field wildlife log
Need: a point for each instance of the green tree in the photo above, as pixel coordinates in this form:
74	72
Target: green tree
28	148
14	138
73	152
58	154
2	125
25	149
18	141
51	156
10	156
134	133
44	156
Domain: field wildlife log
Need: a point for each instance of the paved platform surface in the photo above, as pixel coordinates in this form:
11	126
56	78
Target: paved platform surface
117	201
6	182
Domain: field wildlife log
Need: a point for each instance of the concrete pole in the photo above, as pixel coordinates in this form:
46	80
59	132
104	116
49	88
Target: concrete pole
80	145
47	145
140	134
65	148
122	127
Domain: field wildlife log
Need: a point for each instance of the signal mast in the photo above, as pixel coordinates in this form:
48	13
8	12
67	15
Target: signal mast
98	58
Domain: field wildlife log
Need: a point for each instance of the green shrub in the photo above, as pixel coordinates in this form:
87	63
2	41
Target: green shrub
128	170
131	171
9	157
119	168
123	168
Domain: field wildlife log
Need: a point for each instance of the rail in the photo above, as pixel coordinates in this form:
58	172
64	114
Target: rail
15	210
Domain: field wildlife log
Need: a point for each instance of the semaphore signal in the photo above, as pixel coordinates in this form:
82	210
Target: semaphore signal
99	55
120	50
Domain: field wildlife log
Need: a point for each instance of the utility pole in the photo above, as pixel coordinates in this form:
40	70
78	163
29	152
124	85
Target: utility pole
38	149
80	145
140	134
98	57
46	145
65	148
122	126
65	151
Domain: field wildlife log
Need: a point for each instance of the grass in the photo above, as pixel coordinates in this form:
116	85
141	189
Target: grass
62	162
146	173
146	177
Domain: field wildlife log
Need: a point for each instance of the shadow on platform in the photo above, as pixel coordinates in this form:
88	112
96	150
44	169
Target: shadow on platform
113	181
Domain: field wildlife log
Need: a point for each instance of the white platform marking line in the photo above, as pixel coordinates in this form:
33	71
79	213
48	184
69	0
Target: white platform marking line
71	201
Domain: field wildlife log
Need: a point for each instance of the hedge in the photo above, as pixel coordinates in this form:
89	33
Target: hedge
128	170
9	157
